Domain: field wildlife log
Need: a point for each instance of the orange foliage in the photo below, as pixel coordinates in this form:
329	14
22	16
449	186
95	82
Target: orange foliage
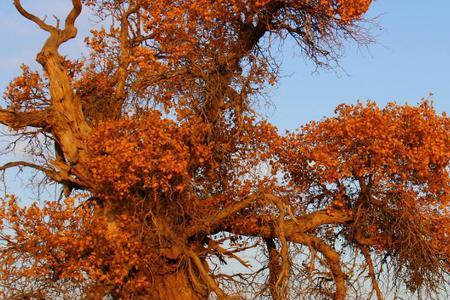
389	164
167	170
28	91
69	245
394	148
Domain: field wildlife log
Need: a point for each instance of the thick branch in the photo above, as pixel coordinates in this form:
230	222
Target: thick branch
70	31
322	217
333	258
74	13
33	18
299	225
274	267
213	221
18	120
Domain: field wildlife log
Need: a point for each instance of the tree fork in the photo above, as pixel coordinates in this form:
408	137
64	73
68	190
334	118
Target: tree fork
69	126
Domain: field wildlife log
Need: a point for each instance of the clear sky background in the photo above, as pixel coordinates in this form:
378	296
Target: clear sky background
409	60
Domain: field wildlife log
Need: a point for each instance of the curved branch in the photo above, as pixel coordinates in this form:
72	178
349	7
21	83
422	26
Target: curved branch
59	175
74	13
213	221
281	283
67	33
54	175
18	120
274	267
205	276
295	231
33	18
70	31
333	258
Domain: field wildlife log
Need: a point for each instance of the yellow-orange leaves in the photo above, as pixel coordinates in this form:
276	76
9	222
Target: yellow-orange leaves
392	166
346	10
142	154
27	92
398	147
64	249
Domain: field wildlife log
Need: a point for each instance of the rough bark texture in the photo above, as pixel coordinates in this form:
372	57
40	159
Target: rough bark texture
176	286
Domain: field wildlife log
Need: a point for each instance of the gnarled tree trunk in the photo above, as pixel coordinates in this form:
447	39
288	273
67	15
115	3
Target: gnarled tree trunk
177	286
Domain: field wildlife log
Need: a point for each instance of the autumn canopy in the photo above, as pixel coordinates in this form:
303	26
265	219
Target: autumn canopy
171	179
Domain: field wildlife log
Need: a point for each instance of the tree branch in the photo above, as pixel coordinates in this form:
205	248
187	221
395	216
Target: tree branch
322	217
33	18
333	259
54	175
74	13
70	31
212	222
295	231
215	246
274	267
299	225
205	276
69	127
376	287
18	120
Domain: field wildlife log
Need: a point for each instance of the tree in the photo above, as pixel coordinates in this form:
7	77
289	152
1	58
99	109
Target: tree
167	171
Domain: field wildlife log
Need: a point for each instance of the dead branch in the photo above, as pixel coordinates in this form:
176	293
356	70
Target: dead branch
33	18
57	176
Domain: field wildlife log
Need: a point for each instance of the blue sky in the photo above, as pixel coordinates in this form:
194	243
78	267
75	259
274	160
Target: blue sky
409	60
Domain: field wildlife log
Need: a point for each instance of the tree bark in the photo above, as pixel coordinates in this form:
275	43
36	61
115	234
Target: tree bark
176	286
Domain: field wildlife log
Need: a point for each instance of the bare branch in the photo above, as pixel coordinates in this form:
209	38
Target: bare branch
372	275
33	18
50	173
70	31
18	120
221	250
74	13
